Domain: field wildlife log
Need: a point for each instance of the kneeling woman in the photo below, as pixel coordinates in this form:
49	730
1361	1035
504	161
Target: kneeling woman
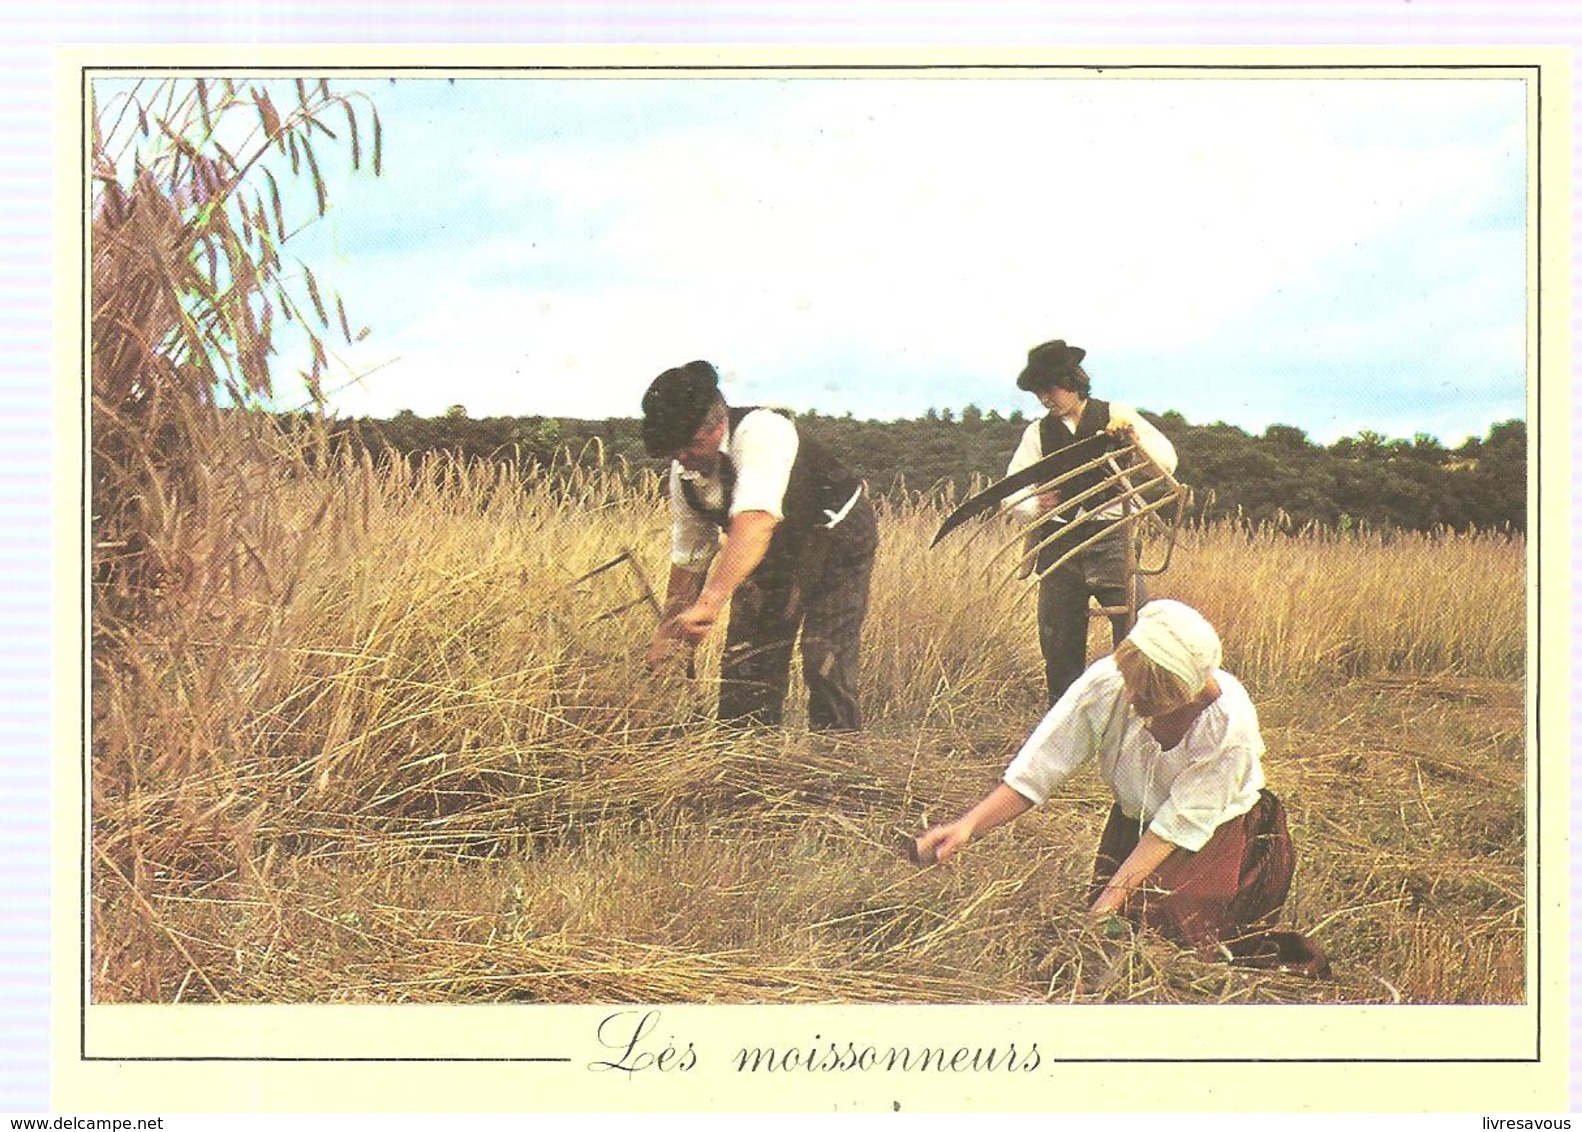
1195	846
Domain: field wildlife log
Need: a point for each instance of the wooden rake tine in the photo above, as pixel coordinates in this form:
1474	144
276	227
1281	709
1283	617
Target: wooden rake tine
1033	489
1109	457
1127	520
1139	508
1172	528
1118	478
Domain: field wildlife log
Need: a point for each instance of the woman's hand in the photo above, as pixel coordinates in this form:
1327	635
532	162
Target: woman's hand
999	806
941	842
1108	904
1149	853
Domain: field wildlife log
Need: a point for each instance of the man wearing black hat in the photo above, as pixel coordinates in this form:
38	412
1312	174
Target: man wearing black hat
799	539
1054	374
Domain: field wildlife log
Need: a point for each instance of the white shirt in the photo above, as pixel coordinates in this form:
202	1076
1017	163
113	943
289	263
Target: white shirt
762	447
1155	445
1184	794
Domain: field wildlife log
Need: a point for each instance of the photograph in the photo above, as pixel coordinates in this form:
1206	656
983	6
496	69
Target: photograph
629	535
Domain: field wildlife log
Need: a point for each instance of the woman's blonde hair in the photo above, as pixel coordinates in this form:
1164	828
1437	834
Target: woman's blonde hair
1151	685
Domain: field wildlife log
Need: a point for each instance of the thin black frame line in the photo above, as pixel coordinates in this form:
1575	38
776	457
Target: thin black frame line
791	1073
440	70
1535	74
1535	885
228	1057
84	564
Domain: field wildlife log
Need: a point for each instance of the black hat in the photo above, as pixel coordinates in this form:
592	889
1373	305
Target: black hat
675	405
1053	363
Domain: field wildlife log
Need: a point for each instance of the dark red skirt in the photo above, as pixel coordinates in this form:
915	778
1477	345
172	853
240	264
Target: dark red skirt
1228	893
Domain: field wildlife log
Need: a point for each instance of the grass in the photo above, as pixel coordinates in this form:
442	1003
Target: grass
378	748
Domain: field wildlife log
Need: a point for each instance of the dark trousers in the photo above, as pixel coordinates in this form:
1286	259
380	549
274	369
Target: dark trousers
821	590
1097	571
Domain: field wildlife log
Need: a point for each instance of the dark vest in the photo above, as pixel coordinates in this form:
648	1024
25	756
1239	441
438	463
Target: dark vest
818	483
1053	436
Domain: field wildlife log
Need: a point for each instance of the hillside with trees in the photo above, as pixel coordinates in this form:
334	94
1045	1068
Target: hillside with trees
1280	477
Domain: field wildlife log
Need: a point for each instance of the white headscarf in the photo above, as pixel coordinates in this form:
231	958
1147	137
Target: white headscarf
1178	639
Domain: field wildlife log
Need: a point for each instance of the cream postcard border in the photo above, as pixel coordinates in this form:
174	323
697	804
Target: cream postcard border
555	1058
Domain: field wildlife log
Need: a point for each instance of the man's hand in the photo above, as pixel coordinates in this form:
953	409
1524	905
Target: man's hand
1047	501
1123	430
695	621
661	649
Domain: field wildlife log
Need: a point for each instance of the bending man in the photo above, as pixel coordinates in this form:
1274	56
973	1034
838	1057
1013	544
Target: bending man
799	539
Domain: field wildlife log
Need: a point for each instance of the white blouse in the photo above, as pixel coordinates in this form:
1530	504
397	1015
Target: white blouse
1212	775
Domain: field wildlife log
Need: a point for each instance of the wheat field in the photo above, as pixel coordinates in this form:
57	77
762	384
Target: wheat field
374	744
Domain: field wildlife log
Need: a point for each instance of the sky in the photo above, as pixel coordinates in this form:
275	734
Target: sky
1337	254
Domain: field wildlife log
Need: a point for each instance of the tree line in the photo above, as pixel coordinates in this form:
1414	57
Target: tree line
1280	477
